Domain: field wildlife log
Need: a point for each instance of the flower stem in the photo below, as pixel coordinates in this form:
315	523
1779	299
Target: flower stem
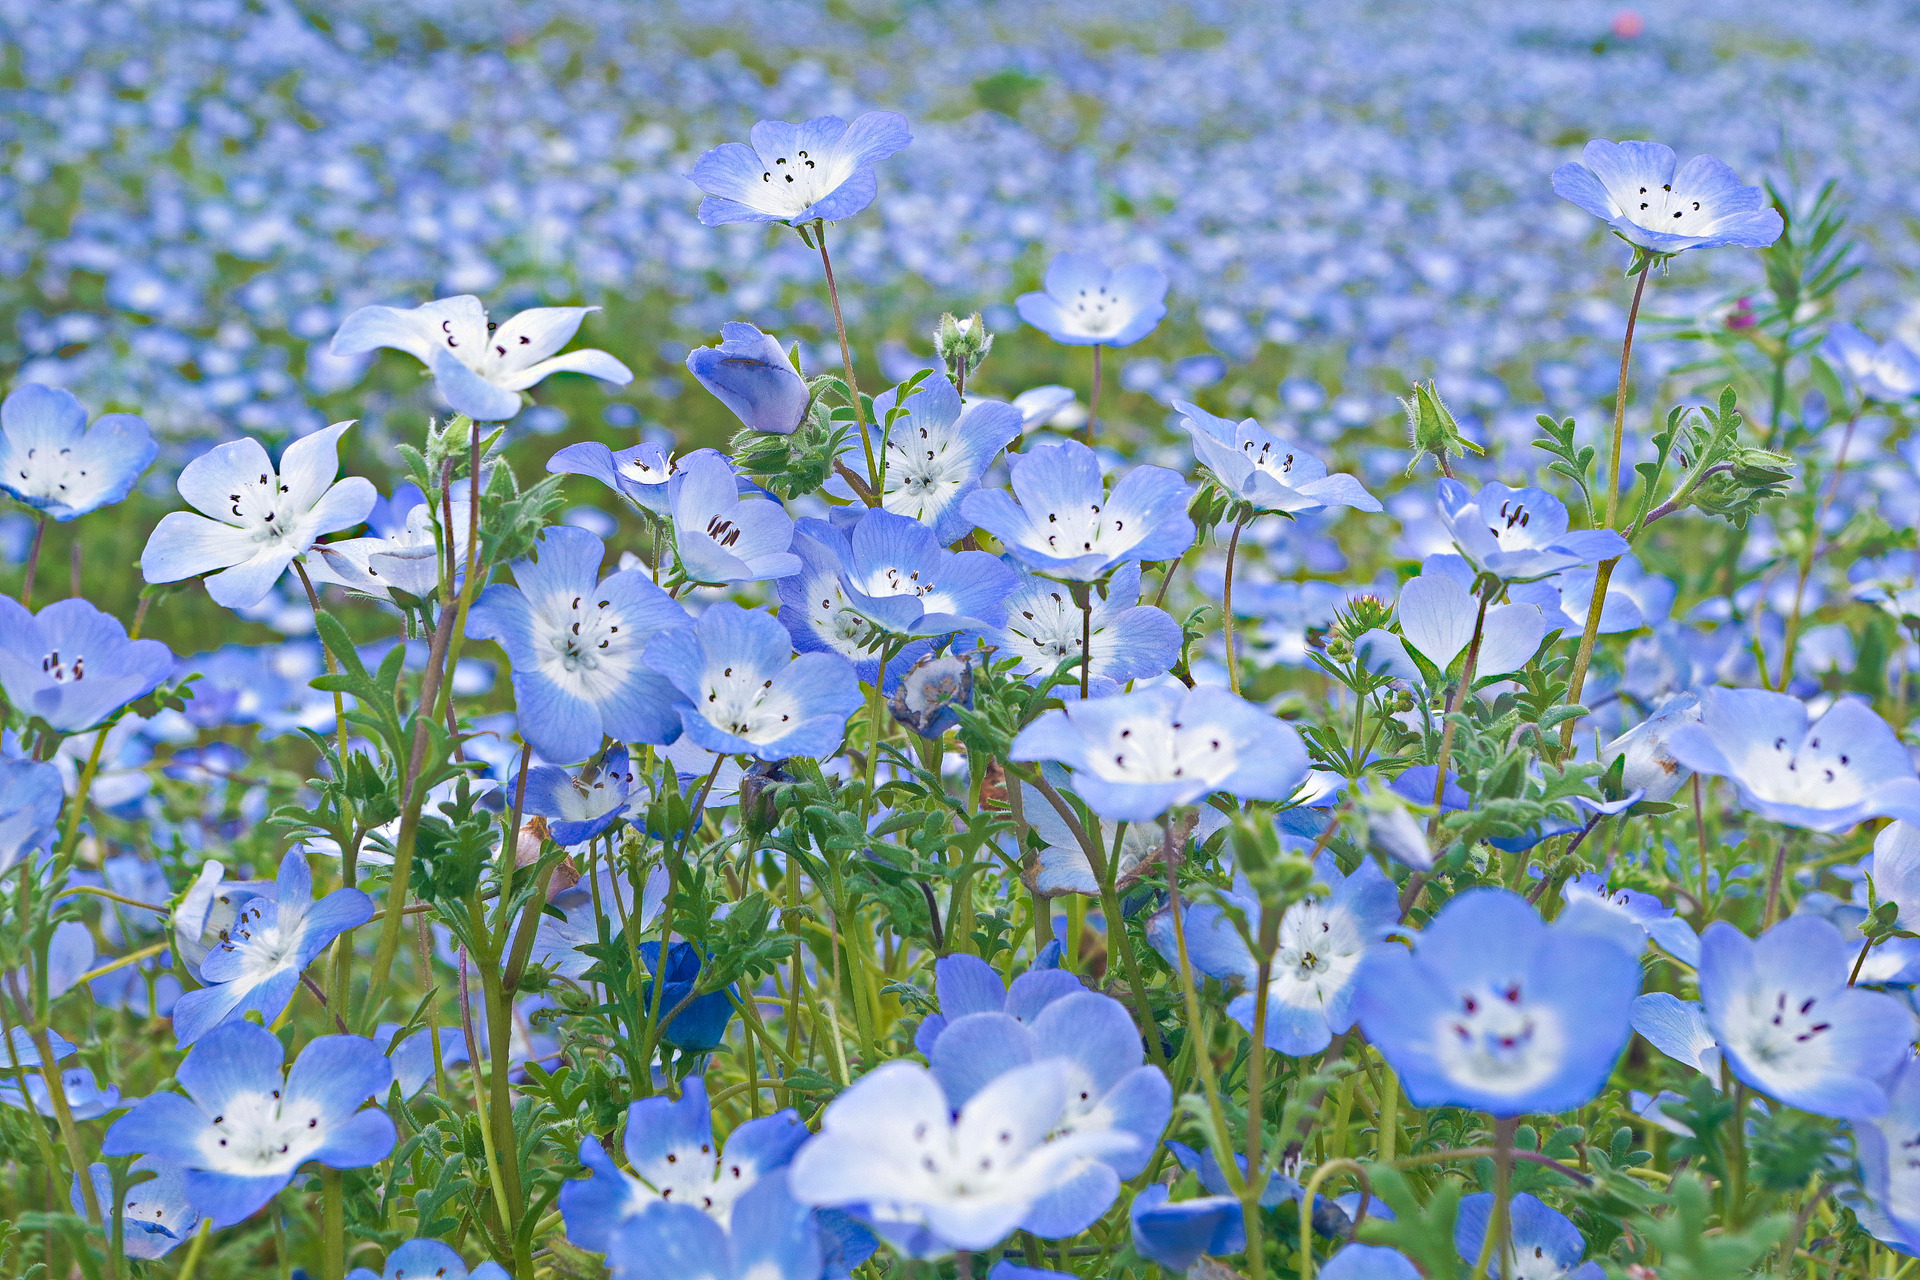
1499	1230
1226	605
33	562
1083	599
1815	545
1460	695
846	362
1093	400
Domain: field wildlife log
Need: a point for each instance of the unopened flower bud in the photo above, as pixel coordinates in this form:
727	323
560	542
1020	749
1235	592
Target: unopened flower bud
962	344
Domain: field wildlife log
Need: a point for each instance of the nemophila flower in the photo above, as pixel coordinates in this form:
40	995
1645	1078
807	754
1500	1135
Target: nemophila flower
243	1130
1494	1010
720	535
751	374
209	909
965	984
1176	1234
1437	611
932	693
698	1024
255	520
823	169
1629	916
1650	200
772	1237
1265	471
640	473
1039	405
412	1058
887	576
604	895
428	1260
1887	1144
1790	1026
1062	865
1826	775
1136	755
1886	371
1545	1243
30	799
1651	766
479	367
674	1159
580	806
1518	534
1086	304
155	1213
1044	627
53	461
932	1178
1066	525
271	941
743	692
1310	989
72	665
1373	1262
936	452
409	559
575	641
87	1099
1566	598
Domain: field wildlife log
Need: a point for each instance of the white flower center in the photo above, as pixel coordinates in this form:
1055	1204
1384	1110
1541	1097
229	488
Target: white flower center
792	183
1081	530
1319	951
1097	312
62	671
834	620
923	469
1663	209
1495	1040
1510	524
262	509
740	702
1783	1033
260	1135
50	474
1146	750
590	650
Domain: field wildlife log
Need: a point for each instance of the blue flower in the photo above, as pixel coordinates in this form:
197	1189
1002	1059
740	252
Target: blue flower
557	943
1110	1090
936	451
1633	188
1651	767
1265	471
428	1260
52	461
580	807
888	575
1066	525
1546	1245
750	373
966	984
209	909
1790	1026
1840	770
412	1058
1678	1028
243	1130
1518	534
1437	612
72	665
1044	627
702	1024
270	943
155	1213
575	641
1494	1010
1629	916
1310	988
639	473
1891	1207
408	558
1886	371
30	798
1085	304
931	1177
822	169
721	536
480	368
86	1099
674	1159
771	1238
742	692
1369	1262
255	520
1136	755
1176	1233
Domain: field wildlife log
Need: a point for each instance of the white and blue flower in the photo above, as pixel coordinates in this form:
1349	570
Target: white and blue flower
1066	525
53	461
823	169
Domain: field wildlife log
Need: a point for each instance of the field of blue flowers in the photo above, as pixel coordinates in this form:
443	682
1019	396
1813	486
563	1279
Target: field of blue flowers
824	638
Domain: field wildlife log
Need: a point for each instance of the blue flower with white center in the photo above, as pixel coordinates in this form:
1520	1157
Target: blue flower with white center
639	473
605	896
1826	775
428	1260
1790	1026
86	1099
1565	599
820	170
575	641
1086	304
887	576
743	692
72	665
243	1129
1066	525
1517	534
409	558
1545	1244
210	907
695	1024
752	374
674	1159
1176	1233
936	451
1369	1262
966	984
1885	371
1044	627
583	806
1310	988
1494	1010
1265	471
931	1177
1651	767
1890	1208
412	1058
258	962
1437	611
1677	1028
255	520
53	461
772	1237
1136	755
1629	916
155	1212
1634	188
721	536
1110	1090
30	799
479	367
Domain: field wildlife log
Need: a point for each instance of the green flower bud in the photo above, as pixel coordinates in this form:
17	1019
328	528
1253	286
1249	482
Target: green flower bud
962	344
1431	428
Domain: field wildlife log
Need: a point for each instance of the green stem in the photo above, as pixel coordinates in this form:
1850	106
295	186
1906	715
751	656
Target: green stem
846	362
1460	695
1498	1242
1226	605
1093	401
